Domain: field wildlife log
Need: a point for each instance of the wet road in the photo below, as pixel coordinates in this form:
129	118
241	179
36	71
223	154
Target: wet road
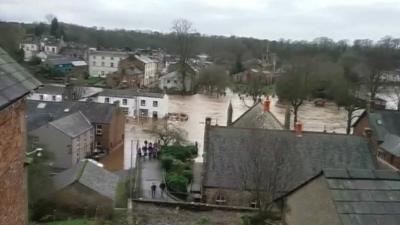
199	106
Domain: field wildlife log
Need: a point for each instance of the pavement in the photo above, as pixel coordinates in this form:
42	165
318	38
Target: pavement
151	172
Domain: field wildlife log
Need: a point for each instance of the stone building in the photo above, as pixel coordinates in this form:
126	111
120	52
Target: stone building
15	84
108	121
102	63
345	197
241	162
129	75
69	139
382	127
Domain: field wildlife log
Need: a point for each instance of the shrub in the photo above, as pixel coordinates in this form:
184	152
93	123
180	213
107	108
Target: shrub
178	166
177	183
166	162
188	174
182	153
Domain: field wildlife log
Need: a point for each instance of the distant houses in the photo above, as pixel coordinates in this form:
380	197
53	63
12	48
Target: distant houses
15	84
46	45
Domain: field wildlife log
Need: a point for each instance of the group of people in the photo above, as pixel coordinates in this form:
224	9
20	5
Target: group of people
154	189
149	150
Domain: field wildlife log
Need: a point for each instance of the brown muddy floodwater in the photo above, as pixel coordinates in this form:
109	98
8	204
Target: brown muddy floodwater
200	106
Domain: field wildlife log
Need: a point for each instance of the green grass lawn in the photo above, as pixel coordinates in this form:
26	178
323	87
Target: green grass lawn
70	222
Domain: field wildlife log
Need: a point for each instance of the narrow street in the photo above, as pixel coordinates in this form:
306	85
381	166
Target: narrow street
151	173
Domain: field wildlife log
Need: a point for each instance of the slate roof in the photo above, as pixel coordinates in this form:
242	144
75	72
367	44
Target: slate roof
129	93
51	89
386	126
255	117
365	197
72	125
231	154
96	112
15	81
90	175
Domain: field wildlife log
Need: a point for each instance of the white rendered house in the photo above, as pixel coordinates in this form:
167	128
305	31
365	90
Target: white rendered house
102	63
135	103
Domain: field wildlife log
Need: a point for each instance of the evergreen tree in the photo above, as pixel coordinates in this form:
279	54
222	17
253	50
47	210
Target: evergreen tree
54	27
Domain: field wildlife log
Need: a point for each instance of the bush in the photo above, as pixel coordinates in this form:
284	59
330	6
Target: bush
182	153
178	166
188	174
177	183
166	162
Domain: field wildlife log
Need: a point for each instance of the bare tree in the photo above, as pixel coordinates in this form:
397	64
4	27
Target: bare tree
294	86
167	133
264	174
183	31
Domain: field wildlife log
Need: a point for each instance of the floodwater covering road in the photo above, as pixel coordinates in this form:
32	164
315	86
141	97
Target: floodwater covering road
200	106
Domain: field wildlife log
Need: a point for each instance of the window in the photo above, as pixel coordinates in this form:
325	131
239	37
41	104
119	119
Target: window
53	97
53	49
143	102
41	97
94	57
111	64
125	110
168	81
112	58
124	101
107	100
94	63
102	63
102	57
155	104
99	129
175	81
102	73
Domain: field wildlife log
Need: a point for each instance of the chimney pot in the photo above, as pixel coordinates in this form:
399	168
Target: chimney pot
208	121
298	128
267	104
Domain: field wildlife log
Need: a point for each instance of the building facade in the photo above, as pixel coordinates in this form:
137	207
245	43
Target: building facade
149	68
13	205
48	93
69	139
102	63
135	103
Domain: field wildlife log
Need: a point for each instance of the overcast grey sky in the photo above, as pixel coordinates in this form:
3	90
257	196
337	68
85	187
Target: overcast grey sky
266	19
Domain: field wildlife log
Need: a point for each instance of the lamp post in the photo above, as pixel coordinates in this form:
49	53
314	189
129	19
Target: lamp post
38	152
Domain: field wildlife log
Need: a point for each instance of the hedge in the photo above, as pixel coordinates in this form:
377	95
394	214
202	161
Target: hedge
177	183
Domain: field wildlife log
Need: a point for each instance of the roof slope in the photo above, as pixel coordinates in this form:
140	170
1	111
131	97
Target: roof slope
129	93
51	89
72	125
15	81
386	126
91	175
365	197
95	112
231	154
255	117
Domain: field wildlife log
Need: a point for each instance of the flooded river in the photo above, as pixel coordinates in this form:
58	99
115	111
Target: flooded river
200	106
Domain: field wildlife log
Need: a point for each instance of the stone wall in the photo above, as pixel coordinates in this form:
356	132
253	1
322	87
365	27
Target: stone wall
232	197
13	204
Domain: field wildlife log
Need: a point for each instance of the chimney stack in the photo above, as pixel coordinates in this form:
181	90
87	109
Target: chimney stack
208	122
298	129
230	114
267	104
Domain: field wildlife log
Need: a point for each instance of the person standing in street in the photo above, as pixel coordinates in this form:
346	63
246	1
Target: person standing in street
162	188
153	190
